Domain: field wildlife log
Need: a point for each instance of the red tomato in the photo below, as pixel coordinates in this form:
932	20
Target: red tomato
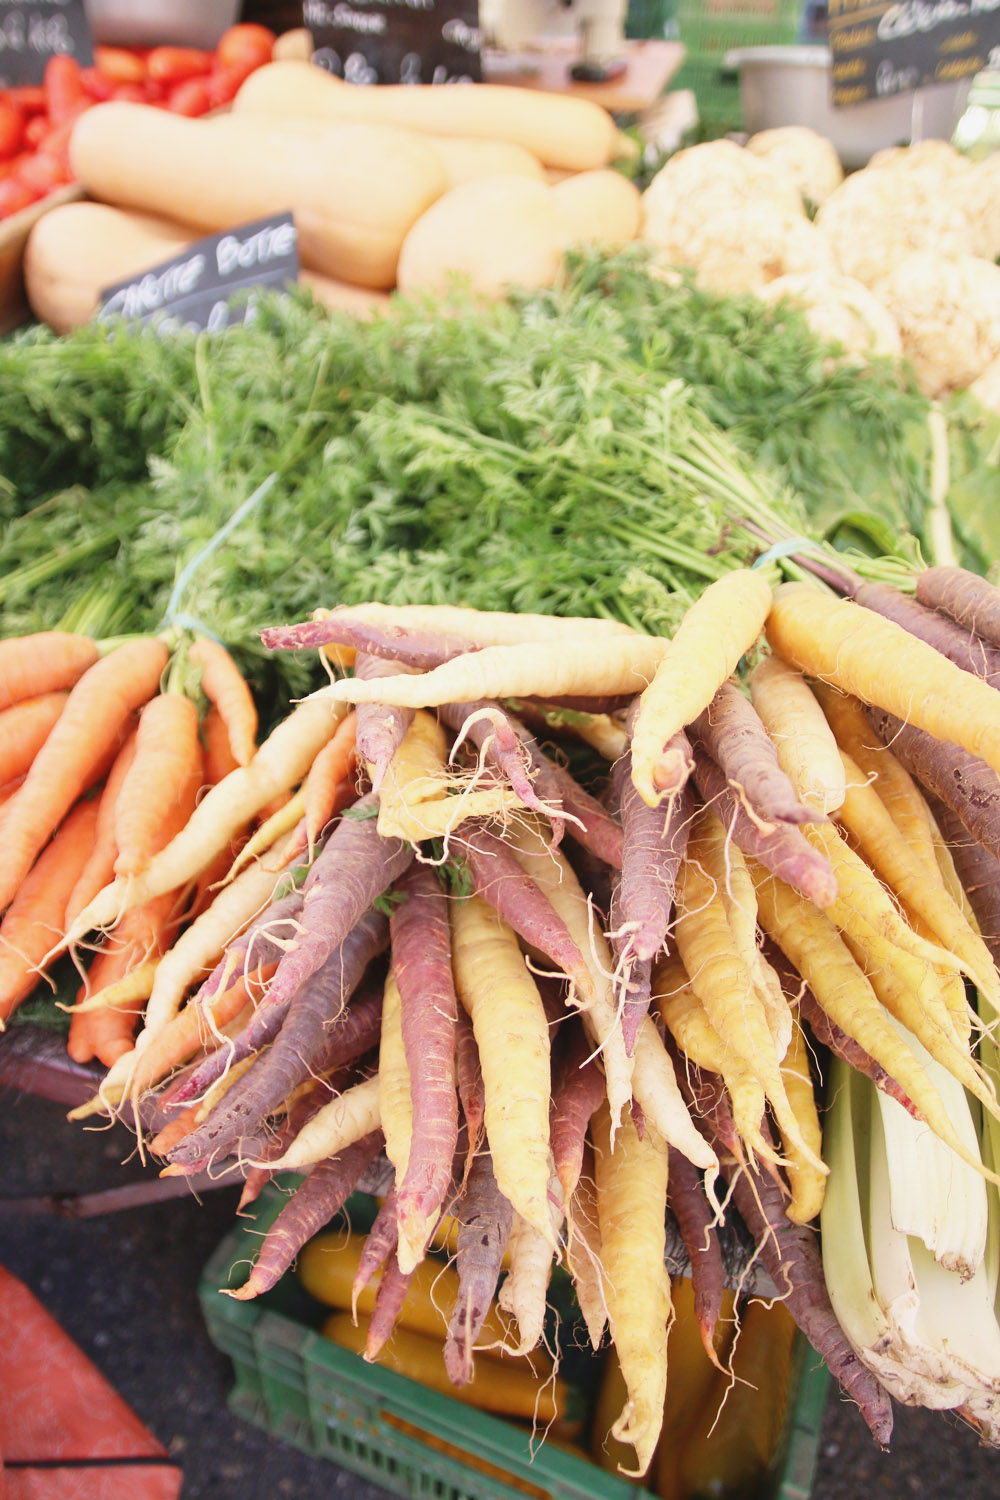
175	64
97	85
15	195
155	92
29	98
192	97
119	65
133	93
43	172
11	130
36	130
63	87
246	46
224	85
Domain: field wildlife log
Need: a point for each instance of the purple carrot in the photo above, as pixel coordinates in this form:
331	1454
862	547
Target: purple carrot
265	936
502	741
940	631
654	841
302	1109
784	851
607	704
979	872
790	1252
469	1079
323	1193
317	1034
730	731
500	880
577	1091
964	596
638	991
696	1221
595	827
389	1298
484	1223
828	1033
961	781
380	726
416	648
380	1243
353	870
421	961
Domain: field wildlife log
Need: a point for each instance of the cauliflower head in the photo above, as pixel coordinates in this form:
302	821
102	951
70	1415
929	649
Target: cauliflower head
878	217
840	310
739	247
718	171
807	157
948	311
982	190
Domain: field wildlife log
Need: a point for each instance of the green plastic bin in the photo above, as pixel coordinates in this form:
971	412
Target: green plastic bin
711	28
415	1442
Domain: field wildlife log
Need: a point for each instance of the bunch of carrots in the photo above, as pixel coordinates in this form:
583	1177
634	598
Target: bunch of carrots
556	1013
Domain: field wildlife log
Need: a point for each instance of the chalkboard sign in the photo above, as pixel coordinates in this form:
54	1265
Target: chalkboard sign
879	50
32	31
193	291
396	41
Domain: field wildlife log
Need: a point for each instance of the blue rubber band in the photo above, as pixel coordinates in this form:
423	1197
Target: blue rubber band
185	621
215	542
784	549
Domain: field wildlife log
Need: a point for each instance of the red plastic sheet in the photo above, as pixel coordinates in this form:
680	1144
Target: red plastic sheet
65	1433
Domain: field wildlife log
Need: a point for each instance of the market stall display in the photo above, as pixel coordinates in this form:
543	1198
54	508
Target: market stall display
618	803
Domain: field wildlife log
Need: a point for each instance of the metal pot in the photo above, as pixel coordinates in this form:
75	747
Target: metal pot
792	86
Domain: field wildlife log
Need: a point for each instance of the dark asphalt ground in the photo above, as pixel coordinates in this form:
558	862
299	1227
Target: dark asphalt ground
124	1286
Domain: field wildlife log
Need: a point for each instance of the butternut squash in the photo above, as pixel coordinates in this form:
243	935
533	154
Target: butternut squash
492	233
600	208
466	158
76	251
560	130
352	204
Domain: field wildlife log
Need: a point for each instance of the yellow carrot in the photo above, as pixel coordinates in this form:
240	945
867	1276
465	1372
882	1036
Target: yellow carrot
808	1186
709	642
631	1203
395	1105
807	750
881	663
508	1018
346	1119
583	1252
268	833
412	800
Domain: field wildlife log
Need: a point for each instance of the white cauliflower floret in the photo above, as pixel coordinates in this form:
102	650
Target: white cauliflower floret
987	388
840	310
738	248
718	171
808	158
878	217
982	191
948	311
936	158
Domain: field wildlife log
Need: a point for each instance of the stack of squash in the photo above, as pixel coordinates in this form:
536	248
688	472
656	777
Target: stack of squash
392	186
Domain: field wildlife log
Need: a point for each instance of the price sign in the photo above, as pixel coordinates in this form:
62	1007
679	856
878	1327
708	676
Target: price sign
195	290
396	41
32	31
884	49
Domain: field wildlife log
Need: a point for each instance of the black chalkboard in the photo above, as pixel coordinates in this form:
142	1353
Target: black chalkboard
193	290
396	41
884	49
32	31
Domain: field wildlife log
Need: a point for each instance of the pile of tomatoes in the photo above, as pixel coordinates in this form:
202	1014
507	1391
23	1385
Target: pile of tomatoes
36	122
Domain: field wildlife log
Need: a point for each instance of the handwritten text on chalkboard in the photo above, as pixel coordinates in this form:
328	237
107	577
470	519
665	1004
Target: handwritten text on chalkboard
194	290
396	41
32	31
884	49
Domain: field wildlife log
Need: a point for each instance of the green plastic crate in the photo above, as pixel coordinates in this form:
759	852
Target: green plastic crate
711	28
308	1392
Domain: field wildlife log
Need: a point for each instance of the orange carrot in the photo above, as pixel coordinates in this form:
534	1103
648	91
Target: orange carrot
225	686
88	730
166	749
175	1130
219	757
331	767
143	933
24	730
6	792
34	923
45	663
100	866
181	1038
